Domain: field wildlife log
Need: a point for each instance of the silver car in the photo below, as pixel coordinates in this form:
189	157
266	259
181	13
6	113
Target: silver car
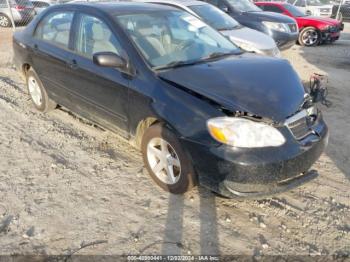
22	12
246	38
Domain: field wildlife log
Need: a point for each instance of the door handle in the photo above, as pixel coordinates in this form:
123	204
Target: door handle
73	64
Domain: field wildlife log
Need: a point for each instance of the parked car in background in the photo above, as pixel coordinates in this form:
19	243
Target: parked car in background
313	30
312	7
281	28
22	11
200	109
244	37
344	12
39	6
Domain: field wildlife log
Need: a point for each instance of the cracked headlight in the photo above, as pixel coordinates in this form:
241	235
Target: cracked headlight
241	132
277	26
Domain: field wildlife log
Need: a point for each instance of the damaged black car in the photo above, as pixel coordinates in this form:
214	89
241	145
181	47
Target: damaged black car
199	108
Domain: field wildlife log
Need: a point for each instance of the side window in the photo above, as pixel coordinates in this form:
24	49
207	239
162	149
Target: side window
3	4
55	28
273	8
94	36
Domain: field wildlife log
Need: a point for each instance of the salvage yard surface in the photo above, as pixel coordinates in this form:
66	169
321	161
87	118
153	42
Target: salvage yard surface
65	183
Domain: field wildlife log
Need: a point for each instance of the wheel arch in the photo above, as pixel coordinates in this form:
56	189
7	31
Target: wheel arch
142	126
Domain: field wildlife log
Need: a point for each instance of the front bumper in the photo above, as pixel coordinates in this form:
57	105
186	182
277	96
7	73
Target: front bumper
241	172
284	40
330	37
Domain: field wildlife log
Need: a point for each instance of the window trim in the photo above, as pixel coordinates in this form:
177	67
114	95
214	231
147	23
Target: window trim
75	34
67	48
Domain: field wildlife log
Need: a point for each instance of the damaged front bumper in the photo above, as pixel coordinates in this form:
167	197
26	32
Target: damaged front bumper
332	34
243	172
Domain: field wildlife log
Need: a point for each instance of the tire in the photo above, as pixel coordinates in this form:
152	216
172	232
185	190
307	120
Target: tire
309	36
5	21
38	93
183	174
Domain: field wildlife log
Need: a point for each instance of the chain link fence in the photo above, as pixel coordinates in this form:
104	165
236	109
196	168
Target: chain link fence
341	10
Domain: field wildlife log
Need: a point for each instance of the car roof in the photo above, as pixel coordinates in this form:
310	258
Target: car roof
121	7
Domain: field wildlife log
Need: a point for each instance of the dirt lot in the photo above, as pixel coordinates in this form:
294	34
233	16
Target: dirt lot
64	182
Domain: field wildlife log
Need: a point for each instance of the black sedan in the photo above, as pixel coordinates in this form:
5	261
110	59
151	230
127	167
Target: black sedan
199	108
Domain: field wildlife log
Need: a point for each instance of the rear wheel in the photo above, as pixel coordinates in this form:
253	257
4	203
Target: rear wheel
38	93
4	21
309	36
166	161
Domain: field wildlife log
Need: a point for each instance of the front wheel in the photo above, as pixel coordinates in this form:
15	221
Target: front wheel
309	36
166	161
4	21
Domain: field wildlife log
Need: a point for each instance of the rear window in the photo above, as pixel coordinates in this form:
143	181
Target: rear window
55	28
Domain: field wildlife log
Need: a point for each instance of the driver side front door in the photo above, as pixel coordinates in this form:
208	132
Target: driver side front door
101	92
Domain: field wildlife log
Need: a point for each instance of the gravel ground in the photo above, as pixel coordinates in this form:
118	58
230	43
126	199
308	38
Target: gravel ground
65	183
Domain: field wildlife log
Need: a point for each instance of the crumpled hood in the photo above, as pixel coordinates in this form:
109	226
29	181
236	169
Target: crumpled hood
327	20
263	86
251	37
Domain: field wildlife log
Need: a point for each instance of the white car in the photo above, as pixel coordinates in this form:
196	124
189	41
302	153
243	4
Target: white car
312	7
246	38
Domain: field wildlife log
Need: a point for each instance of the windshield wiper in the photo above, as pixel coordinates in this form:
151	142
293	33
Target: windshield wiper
218	54
174	64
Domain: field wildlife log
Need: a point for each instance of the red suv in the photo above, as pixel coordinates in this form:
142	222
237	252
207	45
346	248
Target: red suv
312	30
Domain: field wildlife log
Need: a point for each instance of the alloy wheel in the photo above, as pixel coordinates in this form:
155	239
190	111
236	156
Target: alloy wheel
163	160
35	91
4	21
310	37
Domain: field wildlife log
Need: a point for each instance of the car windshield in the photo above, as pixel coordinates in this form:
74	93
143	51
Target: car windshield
314	2
215	17
294	10
174	38
244	5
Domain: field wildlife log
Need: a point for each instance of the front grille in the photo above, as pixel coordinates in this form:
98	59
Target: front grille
293	28
300	123
299	128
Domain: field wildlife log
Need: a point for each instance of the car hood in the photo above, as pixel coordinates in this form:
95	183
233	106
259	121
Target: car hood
318	19
266	87
270	16
245	35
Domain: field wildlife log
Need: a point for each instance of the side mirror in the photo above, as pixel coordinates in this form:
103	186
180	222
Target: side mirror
109	59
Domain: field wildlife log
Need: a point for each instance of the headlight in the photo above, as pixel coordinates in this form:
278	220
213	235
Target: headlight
250	48
276	26
240	132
